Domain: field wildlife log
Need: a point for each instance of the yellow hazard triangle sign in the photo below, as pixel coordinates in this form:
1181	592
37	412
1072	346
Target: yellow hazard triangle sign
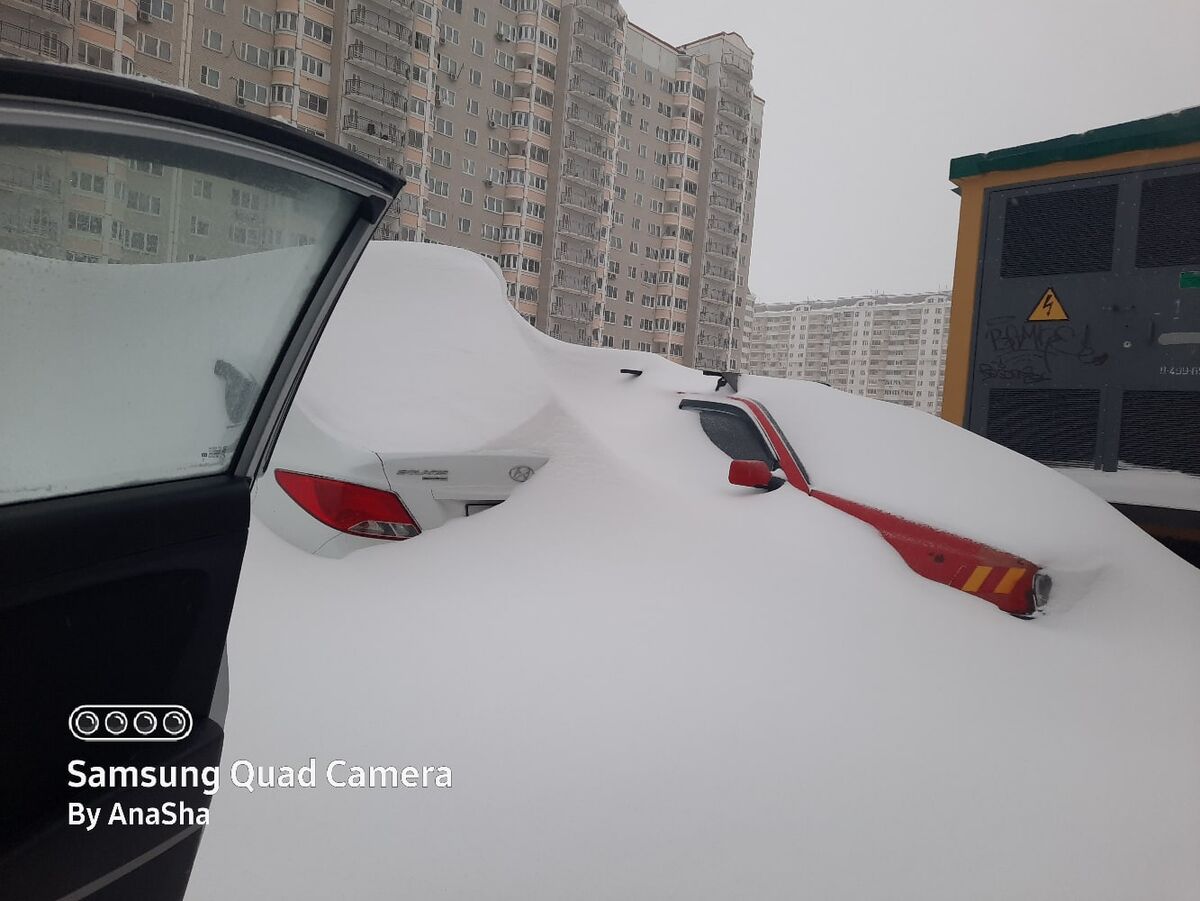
1048	309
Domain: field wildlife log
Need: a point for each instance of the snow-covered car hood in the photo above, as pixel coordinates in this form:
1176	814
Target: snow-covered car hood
650	683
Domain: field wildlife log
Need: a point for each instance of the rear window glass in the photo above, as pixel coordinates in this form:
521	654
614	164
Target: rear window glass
146	291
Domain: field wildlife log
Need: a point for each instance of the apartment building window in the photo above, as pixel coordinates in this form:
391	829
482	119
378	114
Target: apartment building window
97	57
201	227
441	157
468	166
328	4
210	77
416	106
472	106
505	60
455	6
443	126
498	147
489	232
536	210
450	34
547	40
471	136
626	119
98	14
284	21
502	89
281	93
252	92
91	223
435	217
424	10
314	102
464	225
475	77
477	46
531	265
440	187
285	58
479	17
255	56
213	40
158	9
492	204
466	196
258	19
142	242
87	181
318	32
217	6
313	66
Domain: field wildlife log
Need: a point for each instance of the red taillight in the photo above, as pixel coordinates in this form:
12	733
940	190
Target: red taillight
355	509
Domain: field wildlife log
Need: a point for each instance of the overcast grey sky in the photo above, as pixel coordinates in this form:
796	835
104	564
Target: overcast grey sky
867	102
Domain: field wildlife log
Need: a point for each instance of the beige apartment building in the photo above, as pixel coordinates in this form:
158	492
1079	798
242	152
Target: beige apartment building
888	347
611	174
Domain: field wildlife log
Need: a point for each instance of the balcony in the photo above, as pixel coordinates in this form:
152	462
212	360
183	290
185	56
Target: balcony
386	134
594	65
375	95
575	285
370	58
34	43
731	135
594	94
371	22
580	231
28	180
724	227
391	163
602	10
729	109
582	200
594	149
723	207
587	178
56	10
730	159
588	33
581	260
727	251
737	65
589	119
720	273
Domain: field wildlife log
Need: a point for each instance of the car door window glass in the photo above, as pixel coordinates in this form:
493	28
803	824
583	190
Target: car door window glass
146	289
736	436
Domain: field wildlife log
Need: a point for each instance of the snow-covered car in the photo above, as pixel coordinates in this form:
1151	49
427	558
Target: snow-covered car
651	683
331	494
390	464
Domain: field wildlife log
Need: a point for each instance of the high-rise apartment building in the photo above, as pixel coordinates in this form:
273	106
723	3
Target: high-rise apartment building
610	173
889	347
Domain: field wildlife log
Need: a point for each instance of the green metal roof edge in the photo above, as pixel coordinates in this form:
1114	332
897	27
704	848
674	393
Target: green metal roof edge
1169	130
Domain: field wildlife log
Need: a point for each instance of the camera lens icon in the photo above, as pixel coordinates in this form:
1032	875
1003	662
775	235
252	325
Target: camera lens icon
130	722
86	722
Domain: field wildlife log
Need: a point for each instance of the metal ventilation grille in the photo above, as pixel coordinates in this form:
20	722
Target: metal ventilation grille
1047	425
1161	430
1059	232
1169	222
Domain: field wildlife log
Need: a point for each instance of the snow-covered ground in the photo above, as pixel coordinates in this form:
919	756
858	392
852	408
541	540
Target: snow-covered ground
652	684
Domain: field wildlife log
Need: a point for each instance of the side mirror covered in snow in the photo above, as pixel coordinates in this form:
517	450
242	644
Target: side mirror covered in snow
752	474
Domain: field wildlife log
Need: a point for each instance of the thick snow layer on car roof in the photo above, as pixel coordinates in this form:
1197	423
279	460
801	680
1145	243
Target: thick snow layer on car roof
650	683
377	378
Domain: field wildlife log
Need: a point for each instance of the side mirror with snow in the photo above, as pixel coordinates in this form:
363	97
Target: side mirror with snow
753	474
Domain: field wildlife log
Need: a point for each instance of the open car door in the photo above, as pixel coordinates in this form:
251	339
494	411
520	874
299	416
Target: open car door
166	267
